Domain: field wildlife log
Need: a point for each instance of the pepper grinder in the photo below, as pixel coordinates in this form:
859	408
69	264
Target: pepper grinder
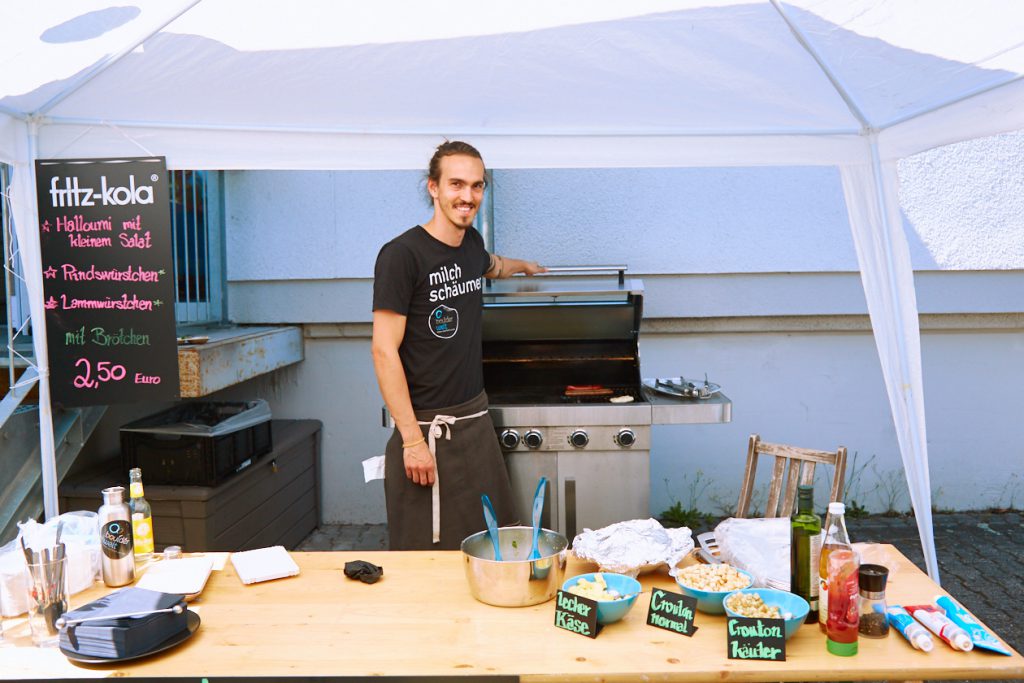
873	622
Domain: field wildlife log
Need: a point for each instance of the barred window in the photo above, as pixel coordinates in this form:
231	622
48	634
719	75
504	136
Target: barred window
197	232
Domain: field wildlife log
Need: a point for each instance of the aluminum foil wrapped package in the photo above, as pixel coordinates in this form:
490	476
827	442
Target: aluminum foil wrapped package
633	546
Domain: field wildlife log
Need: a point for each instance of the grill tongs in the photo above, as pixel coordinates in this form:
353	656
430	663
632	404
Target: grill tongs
682	387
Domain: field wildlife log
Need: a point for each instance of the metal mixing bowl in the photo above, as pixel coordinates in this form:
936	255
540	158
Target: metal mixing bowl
515	581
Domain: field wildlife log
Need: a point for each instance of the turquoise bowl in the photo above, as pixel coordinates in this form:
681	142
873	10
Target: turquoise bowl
710	602
610	611
788	603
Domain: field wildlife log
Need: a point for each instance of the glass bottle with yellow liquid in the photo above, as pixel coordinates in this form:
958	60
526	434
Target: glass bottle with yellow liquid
142	517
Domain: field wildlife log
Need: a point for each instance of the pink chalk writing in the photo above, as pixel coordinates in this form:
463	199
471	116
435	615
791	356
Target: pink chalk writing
123	303
73	273
143	241
77	223
90	242
105	372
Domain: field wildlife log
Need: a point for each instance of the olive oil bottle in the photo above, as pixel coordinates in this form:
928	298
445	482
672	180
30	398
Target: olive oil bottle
805	549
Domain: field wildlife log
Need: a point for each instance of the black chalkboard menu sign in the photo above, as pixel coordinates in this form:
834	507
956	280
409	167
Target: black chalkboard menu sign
105	233
756	638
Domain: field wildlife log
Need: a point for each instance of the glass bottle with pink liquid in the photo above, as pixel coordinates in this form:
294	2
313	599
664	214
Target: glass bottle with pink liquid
835	538
843	604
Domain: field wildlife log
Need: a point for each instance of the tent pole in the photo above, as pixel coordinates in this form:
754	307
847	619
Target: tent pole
464	131
907	387
47	455
949	103
840	89
13	113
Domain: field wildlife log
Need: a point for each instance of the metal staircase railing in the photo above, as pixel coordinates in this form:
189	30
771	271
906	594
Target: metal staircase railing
21	488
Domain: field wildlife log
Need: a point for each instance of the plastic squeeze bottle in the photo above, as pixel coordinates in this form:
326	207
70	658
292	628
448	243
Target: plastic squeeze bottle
843	602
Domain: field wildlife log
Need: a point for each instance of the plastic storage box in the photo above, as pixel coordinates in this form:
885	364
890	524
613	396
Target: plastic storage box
198	443
276	501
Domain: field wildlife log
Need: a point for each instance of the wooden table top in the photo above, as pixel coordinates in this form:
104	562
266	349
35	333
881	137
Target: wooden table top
421	620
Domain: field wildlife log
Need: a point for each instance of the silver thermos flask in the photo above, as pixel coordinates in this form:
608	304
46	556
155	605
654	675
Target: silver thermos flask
117	557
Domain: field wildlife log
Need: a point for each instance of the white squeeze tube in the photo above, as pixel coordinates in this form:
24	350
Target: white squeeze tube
965	620
901	620
938	623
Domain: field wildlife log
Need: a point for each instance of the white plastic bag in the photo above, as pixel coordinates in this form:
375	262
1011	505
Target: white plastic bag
758	545
80	536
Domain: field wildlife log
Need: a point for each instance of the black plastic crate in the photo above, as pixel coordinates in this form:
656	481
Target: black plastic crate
192	459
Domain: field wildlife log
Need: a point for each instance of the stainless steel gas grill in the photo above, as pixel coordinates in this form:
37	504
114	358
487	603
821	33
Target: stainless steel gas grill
562	372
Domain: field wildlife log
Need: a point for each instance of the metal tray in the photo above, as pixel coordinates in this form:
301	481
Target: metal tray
680	387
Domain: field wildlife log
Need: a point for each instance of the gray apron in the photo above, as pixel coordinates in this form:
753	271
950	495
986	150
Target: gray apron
469	463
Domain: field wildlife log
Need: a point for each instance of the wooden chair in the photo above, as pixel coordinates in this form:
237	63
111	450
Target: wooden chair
793	466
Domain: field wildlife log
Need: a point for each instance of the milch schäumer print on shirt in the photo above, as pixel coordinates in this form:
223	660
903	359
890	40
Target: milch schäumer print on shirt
439	289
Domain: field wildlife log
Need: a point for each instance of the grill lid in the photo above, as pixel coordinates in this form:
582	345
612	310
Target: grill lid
555	307
544	334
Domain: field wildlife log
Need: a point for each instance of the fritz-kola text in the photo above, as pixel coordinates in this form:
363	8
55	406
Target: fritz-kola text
71	194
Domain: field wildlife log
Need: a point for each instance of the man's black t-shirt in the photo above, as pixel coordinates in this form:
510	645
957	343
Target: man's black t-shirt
438	288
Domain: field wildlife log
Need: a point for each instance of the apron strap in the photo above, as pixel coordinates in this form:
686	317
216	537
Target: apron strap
440	426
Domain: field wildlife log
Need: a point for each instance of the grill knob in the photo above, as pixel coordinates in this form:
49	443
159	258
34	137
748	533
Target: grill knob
625	438
579	438
509	438
533	439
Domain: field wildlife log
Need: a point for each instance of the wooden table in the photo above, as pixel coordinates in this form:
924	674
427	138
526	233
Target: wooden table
420	620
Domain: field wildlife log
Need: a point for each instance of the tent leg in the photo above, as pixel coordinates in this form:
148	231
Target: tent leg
25	214
888	279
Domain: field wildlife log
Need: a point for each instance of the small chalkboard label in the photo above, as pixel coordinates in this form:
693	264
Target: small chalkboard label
577	614
672	612
756	639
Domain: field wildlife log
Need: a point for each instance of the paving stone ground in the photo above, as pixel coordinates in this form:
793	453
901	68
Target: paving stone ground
981	557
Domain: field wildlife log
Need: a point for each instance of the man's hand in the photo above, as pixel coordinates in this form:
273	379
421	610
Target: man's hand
419	464
532	268
505	266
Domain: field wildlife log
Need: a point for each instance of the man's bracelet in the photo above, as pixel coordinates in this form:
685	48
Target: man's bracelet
417	442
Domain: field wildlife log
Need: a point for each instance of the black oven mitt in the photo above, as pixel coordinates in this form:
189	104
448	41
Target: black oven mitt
367	572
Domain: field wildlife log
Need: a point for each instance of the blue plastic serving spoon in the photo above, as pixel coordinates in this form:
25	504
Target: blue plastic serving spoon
538	507
492	525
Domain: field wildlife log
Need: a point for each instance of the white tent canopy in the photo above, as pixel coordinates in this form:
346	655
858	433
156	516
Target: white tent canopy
322	84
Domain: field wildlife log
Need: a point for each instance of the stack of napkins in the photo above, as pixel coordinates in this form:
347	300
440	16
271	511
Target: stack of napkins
264	564
186	576
126	636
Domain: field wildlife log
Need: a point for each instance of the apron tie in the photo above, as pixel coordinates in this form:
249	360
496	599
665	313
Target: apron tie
440	426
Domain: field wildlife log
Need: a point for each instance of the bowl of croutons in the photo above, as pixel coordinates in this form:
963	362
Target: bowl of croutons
768	603
710	583
614	593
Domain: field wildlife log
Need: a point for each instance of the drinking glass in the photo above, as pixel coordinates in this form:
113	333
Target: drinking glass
47	585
